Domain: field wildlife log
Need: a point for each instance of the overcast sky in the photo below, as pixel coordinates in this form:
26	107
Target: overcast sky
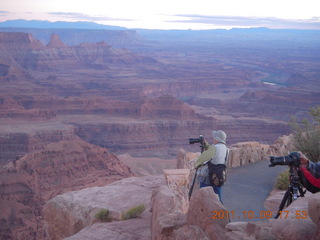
170	14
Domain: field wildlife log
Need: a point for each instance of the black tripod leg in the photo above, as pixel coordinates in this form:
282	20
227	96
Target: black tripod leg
301	191
193	182
286	199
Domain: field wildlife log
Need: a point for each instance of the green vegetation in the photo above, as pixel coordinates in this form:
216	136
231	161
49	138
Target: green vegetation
103	215
307	135
282	181
306	138
133	212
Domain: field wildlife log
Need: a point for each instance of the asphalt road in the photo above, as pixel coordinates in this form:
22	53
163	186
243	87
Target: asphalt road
247	188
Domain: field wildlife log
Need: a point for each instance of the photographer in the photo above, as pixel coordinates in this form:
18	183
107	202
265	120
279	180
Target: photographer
310	170
214	157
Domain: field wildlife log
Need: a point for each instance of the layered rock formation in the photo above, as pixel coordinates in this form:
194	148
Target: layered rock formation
27	183
116	38
17	140
31	54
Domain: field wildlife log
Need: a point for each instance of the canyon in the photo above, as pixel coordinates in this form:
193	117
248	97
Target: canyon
86	108
102	92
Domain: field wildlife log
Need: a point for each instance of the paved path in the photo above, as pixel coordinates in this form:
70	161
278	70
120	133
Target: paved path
247	188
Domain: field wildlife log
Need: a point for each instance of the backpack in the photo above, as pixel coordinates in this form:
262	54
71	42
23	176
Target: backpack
217	173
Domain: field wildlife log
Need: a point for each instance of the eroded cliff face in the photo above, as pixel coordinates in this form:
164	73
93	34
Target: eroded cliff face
17	140
29	53
165	137
27	183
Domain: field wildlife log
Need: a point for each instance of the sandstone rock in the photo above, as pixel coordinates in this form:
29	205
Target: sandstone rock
186	159
71	165
188	232
249	231
202	204
294	223
132	229
181	160
69	213
20	207
55	42
281	146
246	152
168	212
275	197
273	201
177	177
314	212
59	167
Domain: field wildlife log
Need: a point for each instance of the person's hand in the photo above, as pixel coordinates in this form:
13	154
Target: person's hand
303	159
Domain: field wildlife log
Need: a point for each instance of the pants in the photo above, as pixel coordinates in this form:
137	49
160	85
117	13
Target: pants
217	190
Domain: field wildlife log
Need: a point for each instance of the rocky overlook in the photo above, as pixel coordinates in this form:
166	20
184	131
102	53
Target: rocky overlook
169	214
67	107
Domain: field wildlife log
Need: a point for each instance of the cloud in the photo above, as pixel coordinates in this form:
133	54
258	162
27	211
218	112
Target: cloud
82	16
237	21
3	13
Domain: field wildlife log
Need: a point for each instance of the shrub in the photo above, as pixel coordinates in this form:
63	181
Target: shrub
282	181
103	215
133	212
306	135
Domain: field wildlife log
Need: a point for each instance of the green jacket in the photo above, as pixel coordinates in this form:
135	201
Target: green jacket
207	155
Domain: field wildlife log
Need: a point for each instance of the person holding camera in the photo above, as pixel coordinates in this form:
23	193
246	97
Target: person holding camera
310	170
211	164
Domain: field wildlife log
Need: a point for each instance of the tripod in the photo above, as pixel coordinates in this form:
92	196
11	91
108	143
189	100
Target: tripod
293	190
196	173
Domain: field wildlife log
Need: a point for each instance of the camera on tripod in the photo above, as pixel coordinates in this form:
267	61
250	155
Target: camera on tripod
293	159
295	185
200	139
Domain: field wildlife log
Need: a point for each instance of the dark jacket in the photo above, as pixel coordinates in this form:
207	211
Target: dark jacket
310	176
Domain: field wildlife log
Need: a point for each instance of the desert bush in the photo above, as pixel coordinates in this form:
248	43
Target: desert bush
282	181
306	135
133	212
103	215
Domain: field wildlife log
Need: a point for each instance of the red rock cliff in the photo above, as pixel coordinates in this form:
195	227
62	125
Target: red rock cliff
60	167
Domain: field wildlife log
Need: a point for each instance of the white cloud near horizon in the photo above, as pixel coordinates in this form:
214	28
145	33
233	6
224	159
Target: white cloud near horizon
270	22
168	14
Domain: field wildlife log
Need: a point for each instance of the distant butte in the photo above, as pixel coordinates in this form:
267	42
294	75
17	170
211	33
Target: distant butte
55	42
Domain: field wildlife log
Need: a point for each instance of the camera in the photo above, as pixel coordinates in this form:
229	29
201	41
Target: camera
292	159
200	139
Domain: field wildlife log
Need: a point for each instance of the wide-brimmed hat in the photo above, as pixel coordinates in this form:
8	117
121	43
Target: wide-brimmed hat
220	136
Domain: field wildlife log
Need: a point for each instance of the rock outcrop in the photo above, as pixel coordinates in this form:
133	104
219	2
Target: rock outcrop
55	42
71	212
246	152
27	183
314	213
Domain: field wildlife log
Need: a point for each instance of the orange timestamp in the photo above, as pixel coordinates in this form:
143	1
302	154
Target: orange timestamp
224	214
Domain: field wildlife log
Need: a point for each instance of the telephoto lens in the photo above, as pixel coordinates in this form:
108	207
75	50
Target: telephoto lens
291	159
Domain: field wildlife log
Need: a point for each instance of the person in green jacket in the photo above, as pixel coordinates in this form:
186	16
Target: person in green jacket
216	154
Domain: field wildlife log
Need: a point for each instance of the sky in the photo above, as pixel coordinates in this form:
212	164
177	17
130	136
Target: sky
170	14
